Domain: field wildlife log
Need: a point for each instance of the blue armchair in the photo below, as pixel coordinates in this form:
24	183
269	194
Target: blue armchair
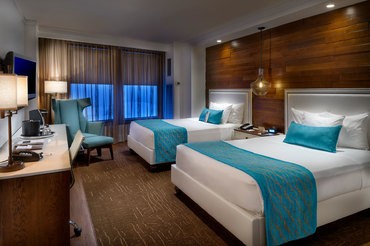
69	112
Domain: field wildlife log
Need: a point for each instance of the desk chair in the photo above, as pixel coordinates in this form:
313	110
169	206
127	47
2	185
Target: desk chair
73	150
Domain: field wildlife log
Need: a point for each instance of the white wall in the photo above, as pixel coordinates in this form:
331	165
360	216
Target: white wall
198	80
182	53
12	38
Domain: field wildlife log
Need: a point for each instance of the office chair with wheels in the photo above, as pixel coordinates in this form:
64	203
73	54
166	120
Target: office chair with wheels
73	150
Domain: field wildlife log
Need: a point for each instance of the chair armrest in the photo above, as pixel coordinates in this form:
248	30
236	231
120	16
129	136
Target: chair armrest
95	127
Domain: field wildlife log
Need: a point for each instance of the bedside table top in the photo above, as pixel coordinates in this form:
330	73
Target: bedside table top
256	132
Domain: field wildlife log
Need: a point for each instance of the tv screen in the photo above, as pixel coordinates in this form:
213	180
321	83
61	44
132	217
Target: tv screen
21	65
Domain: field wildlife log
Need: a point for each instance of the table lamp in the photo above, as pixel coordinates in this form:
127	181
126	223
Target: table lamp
56	87
13	94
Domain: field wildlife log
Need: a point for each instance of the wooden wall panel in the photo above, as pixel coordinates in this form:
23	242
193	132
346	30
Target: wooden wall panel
330	50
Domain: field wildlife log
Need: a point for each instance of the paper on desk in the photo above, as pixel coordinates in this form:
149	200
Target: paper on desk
31	142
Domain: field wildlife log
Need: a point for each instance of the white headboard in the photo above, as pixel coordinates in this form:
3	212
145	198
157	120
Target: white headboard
234	96
336	101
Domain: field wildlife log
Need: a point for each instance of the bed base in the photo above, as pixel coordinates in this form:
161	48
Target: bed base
250	228
140	149
147	154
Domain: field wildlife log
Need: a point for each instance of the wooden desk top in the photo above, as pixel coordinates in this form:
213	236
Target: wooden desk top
55	151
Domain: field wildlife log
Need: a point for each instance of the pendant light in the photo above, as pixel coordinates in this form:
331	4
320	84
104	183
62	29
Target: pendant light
260	86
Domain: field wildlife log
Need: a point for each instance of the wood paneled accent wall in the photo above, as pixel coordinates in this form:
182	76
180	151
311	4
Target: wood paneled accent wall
331	50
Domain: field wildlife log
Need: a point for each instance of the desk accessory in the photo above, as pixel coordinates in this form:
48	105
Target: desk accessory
27	156
13	94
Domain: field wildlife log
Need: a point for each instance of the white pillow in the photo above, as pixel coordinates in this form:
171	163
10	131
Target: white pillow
237	113
297	115
322	119
226	107
316	119
354	132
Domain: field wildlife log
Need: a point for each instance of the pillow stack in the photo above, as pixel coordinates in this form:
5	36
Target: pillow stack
353	133
231	113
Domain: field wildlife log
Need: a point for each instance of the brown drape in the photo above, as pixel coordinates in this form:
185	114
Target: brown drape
83	63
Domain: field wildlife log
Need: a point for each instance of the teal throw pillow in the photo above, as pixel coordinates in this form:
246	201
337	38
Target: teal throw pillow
203	114
215	116
321	138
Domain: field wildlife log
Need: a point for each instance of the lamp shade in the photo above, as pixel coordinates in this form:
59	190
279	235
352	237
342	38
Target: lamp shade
8	92
22	91
55	86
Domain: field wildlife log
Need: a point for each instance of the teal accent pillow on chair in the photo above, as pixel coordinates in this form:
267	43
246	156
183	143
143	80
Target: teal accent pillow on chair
69	112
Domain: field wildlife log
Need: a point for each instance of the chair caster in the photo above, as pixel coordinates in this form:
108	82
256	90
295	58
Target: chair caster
77	231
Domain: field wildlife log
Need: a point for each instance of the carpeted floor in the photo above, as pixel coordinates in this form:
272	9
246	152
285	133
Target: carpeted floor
131	206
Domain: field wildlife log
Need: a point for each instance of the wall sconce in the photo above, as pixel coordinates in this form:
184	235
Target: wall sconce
13	94
260	86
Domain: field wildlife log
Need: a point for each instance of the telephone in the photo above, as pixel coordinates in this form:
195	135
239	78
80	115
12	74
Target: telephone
27	156
246	126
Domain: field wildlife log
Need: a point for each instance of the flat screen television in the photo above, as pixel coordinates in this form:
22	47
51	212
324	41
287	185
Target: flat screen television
22	65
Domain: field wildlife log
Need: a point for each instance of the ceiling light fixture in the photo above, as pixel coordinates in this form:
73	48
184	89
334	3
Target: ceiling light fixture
260	87
219	41
330	5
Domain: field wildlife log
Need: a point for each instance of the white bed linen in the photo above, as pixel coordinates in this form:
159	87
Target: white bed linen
197	131
335	173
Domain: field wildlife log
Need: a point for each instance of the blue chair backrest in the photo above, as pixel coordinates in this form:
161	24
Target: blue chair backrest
69	112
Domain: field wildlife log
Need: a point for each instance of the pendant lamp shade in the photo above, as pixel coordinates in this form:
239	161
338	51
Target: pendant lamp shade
260	86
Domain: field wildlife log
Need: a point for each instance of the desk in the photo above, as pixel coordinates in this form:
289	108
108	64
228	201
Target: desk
34	205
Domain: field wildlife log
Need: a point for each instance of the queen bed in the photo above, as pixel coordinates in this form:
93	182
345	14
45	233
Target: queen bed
141	139
342	178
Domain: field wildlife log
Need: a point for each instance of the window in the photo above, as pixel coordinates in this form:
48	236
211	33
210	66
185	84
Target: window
101	96
140	101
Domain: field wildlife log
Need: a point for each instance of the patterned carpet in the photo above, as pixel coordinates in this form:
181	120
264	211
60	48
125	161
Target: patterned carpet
131	206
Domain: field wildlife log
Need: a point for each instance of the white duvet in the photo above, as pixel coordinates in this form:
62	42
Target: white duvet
197	131
335	173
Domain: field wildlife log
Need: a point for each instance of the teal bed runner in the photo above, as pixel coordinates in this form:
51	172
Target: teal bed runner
166	138
288	190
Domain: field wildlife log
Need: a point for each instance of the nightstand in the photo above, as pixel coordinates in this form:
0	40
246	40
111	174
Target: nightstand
247	134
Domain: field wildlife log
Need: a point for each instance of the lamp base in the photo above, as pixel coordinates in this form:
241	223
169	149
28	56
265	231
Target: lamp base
16	165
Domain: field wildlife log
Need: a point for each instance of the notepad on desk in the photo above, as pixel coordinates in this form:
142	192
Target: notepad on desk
28	145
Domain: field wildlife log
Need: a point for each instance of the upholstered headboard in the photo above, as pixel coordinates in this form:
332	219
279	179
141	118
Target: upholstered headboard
234	96
336	101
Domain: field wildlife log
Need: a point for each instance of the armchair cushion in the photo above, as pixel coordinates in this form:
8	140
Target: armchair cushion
96	141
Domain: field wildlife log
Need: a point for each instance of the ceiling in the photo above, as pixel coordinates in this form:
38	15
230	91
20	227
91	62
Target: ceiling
198	22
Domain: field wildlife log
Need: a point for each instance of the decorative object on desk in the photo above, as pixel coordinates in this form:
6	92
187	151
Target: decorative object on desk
30	128
260	86
38	114
13	94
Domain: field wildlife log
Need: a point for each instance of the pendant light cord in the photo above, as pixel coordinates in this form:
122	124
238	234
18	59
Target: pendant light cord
261	29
